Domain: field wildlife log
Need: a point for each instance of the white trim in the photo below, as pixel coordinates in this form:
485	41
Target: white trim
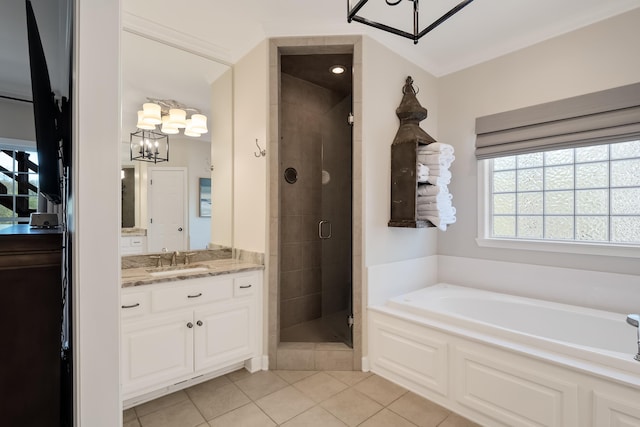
562	247
573	247
151	30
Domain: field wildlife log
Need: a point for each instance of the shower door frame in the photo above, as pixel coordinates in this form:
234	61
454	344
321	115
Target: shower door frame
314	45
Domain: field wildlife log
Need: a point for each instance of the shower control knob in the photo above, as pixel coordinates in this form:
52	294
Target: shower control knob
189	325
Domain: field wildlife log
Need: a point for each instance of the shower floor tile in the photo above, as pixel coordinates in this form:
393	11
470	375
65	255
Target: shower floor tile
323	329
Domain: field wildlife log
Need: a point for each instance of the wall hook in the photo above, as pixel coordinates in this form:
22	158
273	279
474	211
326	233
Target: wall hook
260	152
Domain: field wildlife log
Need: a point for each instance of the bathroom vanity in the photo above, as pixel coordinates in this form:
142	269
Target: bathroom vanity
189	323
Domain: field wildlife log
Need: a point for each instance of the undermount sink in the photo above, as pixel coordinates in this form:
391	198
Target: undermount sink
174	271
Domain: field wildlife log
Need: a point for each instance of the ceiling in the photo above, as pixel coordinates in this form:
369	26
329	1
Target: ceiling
483	30
228	30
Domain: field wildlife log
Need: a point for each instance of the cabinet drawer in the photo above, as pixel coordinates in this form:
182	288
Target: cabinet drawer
244	285
134	304
190	294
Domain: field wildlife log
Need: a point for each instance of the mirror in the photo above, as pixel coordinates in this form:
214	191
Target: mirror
152	69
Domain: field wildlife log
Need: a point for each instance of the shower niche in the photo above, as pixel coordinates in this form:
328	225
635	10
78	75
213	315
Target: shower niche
315	240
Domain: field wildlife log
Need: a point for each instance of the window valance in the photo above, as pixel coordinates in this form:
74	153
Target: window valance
601	117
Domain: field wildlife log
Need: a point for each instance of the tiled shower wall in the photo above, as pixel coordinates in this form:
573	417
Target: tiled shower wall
303	130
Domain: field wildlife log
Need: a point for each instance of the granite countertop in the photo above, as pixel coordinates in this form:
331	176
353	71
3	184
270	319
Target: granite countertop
142	275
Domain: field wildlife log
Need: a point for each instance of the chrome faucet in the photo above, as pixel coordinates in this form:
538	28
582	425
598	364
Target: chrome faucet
634	320
174	255
186	257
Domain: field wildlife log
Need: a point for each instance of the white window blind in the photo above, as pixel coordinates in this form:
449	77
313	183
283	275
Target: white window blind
607	116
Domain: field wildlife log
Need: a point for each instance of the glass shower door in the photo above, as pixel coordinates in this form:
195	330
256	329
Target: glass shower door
335	227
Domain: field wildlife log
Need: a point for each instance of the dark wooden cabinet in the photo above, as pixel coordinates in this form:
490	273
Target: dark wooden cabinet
31	319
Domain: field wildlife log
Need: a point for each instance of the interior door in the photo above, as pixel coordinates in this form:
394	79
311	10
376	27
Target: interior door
168	219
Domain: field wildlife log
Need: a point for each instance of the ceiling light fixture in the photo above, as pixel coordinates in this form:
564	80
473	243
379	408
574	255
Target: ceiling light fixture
352	15
146	144
337	69
171	115
149	146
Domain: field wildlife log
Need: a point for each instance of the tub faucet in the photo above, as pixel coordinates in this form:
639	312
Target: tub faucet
634	320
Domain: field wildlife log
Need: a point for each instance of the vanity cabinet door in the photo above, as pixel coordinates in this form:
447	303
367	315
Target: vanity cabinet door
224	334
156	351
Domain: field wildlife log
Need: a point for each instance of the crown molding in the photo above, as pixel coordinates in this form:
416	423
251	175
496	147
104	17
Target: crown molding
160	33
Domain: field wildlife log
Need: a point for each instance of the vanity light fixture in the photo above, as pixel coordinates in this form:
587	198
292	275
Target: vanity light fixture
172	116
147	144
354	6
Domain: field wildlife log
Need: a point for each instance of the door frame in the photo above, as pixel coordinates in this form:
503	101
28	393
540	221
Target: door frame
185	191
311	45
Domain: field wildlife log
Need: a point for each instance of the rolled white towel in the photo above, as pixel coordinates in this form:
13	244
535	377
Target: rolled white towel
436	160
443	212
422	169
439	222
442	173
436	147
436	180
432	208
440	197
432	190
437	169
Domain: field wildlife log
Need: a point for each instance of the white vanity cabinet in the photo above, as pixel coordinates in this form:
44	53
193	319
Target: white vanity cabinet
175	331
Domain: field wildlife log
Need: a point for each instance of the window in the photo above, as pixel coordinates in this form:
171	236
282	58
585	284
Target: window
584	194
563	176
18	186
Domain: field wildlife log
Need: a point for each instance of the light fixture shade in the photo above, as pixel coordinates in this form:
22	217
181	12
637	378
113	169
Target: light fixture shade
189	129
152	113
141	123
199	123
178	118
168	127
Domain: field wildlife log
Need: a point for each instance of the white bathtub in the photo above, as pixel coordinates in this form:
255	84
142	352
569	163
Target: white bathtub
506	360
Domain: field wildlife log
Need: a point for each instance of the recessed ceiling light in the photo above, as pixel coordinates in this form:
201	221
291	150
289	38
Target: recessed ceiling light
337	69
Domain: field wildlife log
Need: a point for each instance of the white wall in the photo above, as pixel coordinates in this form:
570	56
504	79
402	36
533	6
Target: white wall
222	160
594	58
96	206
383	76
193	154
251	118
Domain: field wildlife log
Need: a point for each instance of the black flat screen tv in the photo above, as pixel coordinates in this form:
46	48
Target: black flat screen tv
51	118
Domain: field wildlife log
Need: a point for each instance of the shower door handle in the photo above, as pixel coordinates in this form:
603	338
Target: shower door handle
322	226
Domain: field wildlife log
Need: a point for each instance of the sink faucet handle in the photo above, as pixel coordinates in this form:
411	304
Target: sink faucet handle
159	258
174	255
186	257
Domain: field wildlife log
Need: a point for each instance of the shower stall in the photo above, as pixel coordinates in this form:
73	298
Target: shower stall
315	198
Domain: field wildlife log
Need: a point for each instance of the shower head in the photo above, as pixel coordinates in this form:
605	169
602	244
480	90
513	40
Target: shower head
633	320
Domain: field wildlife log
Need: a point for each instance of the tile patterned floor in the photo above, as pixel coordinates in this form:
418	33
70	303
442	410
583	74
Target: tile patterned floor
293	399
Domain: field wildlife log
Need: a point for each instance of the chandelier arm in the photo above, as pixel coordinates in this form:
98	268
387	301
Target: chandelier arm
391	3
383	27
443	18
351	13
416	28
